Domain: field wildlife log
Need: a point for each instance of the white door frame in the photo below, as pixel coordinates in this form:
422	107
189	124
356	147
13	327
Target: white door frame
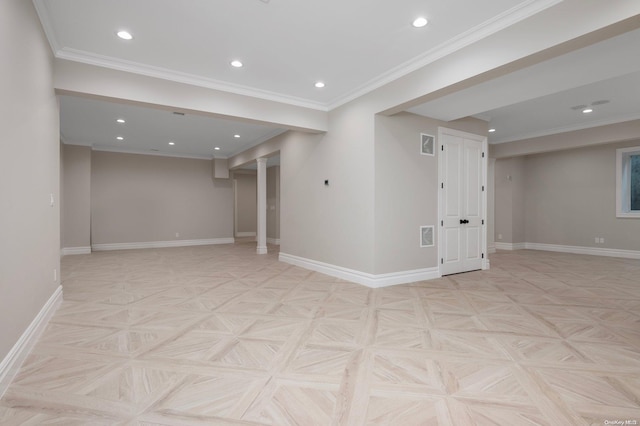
441	181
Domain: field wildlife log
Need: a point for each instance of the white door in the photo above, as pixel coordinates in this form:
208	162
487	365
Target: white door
462	203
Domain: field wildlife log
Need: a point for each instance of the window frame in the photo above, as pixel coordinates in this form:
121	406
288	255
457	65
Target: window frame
623	191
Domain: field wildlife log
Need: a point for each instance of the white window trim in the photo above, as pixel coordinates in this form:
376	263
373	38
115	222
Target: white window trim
622	192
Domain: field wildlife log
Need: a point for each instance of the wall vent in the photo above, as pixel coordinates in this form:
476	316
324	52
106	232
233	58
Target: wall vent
427	144
426	236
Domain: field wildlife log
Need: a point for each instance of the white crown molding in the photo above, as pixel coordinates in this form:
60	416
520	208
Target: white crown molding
143	152
497	23
67	251
487	28
161	244
566	129
264	138
67	141
13	360
90	58
363	278
44	15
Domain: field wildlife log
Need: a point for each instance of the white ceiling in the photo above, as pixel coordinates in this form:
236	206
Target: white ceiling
353	46
92	122
286	45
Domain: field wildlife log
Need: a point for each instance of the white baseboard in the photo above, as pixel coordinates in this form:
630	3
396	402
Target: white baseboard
245	234
161	244
11	363
491	248
275	241
364	278
595	251
510	246
75	250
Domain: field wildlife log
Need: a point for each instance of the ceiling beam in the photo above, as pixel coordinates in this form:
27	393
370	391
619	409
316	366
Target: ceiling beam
74	78
612	133
546	35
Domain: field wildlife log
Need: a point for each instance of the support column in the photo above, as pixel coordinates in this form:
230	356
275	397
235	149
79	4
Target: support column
262	206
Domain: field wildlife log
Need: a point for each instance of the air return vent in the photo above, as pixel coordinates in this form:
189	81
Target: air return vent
426	236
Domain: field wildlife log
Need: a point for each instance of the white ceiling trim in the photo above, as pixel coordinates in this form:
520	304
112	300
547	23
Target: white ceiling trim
475	34
497	23
564	129
157	153
260	140
43	14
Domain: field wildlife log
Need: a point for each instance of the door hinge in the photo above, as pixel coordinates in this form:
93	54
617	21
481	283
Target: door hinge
442	223
483	187
441	147
483	155
442	185
483	255
483	221
442	261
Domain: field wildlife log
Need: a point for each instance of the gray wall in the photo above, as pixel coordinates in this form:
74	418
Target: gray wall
273	202
143	198
331	224
406	189
76	197
510	212
401	194
570	199
246	202
29	172
563	198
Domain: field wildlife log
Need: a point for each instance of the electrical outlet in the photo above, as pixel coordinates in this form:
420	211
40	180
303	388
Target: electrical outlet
499	236
55	275
177	235
601	240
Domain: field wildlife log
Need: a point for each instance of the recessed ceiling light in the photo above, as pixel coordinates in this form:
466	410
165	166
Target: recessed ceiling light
236	64
120	120
172	143
319	85
125	35
120	138
587	110
236	136
492	130
420	22
217	148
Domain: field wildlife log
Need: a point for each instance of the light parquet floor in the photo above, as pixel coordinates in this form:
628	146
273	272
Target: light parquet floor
218	335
